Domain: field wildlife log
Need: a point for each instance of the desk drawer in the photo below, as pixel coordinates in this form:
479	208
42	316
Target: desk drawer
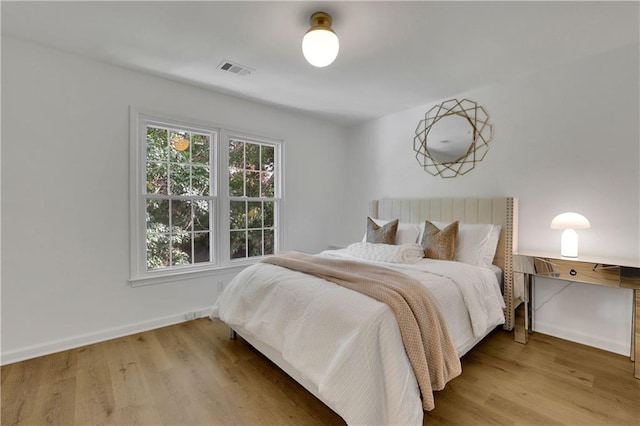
630	277
573	270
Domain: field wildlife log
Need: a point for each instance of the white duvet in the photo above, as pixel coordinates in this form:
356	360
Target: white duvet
348	344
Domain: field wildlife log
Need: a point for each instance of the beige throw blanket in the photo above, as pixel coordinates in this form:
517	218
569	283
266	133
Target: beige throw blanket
426	340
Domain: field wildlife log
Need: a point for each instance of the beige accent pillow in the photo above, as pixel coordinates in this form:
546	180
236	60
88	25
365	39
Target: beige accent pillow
439	244
385	234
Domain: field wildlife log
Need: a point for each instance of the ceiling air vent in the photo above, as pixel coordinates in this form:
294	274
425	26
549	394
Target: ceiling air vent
234	68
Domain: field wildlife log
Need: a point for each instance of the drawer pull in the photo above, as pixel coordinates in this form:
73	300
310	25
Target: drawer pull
573	272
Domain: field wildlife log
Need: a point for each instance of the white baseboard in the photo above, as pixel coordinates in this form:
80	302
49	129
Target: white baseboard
99	336
622	348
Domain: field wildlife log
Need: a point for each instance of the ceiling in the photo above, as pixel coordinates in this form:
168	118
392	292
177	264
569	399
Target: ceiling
393	55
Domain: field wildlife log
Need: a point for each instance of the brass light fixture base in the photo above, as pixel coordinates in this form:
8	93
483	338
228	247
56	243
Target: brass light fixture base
320	19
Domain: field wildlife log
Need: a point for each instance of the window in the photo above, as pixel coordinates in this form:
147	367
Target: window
178	197
201	199
252	201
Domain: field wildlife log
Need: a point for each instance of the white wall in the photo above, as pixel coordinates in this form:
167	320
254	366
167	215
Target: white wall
565	139
65	201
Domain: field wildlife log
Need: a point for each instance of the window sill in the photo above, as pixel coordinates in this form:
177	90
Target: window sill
188	274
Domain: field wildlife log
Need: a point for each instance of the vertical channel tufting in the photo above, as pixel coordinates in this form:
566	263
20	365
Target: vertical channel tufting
373	209
459	210
503	211
396	208
414	215
435	212
485	211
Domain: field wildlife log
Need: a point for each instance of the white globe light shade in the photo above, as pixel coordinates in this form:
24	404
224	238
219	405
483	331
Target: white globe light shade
320	47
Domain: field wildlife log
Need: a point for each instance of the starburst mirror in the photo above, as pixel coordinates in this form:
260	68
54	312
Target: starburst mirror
452	138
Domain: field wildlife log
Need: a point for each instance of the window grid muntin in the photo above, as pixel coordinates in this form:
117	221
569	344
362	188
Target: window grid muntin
191	232
260	170
246	229
210	198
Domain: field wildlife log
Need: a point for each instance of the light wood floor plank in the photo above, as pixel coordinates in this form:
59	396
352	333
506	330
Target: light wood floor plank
192	374
95	402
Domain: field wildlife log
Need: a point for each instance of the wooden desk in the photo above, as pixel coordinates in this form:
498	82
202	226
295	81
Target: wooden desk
611	272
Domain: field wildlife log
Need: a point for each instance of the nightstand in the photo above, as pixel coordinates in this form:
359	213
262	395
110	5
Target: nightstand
611	272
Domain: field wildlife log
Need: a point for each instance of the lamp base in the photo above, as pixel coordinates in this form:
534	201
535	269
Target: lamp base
569	244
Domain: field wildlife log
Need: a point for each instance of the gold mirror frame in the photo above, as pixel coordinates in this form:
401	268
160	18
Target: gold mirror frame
482	133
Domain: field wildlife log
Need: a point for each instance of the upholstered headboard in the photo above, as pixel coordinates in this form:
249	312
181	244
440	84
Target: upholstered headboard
499	211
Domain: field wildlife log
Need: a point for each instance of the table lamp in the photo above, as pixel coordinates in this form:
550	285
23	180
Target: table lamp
569	222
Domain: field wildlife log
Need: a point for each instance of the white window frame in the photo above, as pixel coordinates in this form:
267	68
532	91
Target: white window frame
219	161
225	198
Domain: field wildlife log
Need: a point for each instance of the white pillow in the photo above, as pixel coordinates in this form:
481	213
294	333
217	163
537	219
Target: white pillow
406	253
476	243
407	233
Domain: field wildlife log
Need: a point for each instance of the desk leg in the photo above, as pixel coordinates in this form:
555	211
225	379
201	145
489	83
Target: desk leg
523	318
635	338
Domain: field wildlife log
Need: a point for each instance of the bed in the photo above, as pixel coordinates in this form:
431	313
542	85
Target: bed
346	348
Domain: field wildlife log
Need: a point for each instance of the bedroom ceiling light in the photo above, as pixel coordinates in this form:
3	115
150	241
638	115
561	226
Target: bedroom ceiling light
569	222
320	44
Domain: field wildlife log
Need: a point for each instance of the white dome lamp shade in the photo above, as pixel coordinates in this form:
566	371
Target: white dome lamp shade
320	44
569	222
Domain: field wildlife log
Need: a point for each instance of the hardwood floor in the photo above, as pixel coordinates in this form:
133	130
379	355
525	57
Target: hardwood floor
191	373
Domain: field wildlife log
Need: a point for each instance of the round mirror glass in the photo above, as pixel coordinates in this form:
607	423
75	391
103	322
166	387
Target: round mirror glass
449	138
